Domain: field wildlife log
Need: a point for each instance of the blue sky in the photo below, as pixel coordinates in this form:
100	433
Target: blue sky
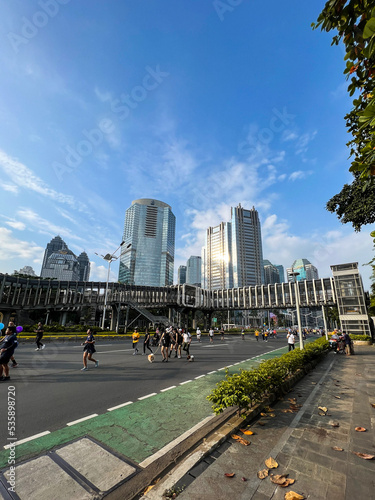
200	104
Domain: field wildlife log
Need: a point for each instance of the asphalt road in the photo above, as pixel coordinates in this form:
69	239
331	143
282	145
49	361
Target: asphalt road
51	389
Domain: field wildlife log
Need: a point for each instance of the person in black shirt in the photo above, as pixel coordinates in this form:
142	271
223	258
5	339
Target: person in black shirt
146	342
89	350
165	342
6	352
39	335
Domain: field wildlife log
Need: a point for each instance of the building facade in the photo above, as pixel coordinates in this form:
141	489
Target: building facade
233	255
305	269
193	270
147	257
271	273
62	264
280	268
181	275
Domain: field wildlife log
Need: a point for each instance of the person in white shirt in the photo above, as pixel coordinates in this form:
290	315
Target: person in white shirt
211	334
199	334
291	340
186	342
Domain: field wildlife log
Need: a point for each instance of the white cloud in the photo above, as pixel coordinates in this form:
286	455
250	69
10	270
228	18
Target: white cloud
304	141
300	174
24	177
288	135
16	225
100	273
12	248
12	188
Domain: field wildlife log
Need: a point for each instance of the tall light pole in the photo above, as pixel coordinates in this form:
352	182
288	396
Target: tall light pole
109	258
296	292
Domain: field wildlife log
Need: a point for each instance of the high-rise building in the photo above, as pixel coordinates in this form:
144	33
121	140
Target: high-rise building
305	269
247	248
271	273
61	263
193	270
181	275
233	255
280	268
84	267
147	257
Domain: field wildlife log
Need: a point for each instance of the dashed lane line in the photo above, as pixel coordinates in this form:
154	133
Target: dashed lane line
82	419
120	406
200	376
148	396
31	438
186	382
168	388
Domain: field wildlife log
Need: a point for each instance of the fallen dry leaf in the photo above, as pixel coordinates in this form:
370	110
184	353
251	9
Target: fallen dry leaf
243	479
262	474
272	415
292	400
229	474
263	415
262	423
360	429
234	436
365	456
323	408
271	463
287	411
322	414
372	404
337	397
335	424
288	482
313	383
247	432
240	439
336	448
149	488
279	478
292	495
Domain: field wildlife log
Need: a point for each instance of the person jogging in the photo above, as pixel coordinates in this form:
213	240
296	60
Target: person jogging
146	342
6	352
211	335
88	350
39	335
186	343
165	342
135	338
257	335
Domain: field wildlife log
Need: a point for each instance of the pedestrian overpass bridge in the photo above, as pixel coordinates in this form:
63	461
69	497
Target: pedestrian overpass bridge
25	294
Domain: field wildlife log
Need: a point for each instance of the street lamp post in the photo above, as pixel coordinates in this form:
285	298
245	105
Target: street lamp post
109	258
296	291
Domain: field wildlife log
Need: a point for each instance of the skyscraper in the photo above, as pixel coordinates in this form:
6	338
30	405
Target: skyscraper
193	270
233	255
305	269
181	275
280	268
271	273
147	257
84	267
55	245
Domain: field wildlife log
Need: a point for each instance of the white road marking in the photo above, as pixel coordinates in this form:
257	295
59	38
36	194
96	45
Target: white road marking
224	368
186	382
200	376
148	396
168	388
82	419
230	366
213	345
120	406
21	441
210	373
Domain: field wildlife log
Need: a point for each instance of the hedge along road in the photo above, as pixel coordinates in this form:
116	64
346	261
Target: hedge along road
160	400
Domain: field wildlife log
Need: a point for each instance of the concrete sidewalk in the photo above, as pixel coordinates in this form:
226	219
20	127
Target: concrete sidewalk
301	442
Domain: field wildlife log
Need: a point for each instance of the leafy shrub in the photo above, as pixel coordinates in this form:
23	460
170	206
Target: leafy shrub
360	337
250	386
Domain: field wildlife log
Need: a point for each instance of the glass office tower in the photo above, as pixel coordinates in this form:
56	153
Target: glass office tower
193	273
147	256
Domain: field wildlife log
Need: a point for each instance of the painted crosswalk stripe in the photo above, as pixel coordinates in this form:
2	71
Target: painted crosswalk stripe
120	406
148	396
186	382
168	388
82	419
21	441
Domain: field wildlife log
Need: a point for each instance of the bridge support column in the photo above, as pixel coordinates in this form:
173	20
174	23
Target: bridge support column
126	319
47	318
194	320
63	316
113	325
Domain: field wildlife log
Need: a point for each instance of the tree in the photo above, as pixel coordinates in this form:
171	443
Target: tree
354	21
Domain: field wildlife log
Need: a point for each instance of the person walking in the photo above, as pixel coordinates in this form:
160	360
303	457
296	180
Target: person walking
186	342
88	350
291	341
6	352
257	335
222	334
13	360
199	334
211	335
135	338
348	342
146	342
266	336
165	342
179	340
39	335
243	334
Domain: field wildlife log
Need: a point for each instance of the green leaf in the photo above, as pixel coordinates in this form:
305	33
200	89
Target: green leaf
369	28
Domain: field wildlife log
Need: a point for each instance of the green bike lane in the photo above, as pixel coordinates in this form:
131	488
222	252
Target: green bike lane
142	428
